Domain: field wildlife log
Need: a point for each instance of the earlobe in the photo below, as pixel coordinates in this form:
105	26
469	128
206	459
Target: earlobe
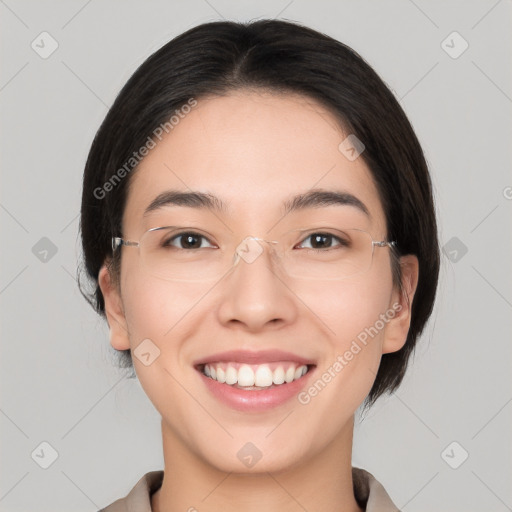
401	302
114	310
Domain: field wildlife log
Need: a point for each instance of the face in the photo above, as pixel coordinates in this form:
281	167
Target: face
255	151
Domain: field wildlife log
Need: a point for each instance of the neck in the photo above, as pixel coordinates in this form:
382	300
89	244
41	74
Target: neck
321	483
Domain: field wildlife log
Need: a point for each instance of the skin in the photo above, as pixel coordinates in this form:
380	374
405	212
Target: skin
254	150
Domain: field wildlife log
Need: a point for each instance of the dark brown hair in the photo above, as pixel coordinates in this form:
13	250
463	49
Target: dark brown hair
283	57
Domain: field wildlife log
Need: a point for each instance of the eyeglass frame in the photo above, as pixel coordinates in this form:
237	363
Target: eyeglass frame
119	241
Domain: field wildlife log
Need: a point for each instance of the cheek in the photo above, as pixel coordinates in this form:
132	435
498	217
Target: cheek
158	309
351	315
167	313
349	307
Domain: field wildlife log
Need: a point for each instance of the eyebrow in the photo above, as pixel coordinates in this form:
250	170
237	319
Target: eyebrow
316	198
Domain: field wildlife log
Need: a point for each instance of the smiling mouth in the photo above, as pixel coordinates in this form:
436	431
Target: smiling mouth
254	376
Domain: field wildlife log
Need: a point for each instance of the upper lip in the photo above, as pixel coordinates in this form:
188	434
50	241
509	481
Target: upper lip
253	357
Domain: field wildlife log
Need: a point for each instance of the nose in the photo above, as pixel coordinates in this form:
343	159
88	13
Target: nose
256	294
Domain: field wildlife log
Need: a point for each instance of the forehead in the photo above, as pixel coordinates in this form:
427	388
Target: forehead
253	150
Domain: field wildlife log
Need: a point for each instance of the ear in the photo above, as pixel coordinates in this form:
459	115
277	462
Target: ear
114	310
397	327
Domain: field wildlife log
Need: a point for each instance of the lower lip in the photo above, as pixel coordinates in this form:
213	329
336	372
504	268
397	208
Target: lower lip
255	400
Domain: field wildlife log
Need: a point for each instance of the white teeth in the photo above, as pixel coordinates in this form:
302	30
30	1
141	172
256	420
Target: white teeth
231	375
278	375
221	375
259	376
245	376
263	377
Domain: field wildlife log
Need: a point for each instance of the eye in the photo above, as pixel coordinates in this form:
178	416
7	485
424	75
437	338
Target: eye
325	241
186	240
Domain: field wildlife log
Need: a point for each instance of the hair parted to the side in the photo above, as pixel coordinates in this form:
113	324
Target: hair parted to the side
282	57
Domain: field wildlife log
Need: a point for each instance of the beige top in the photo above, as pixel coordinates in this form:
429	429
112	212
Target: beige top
369	494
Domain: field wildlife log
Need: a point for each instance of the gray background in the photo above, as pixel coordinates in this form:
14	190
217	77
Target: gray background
58	381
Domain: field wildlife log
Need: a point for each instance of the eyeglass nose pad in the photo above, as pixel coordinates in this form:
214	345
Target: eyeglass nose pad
249	249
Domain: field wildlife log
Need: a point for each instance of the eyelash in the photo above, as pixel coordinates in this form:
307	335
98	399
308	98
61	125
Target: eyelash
341	242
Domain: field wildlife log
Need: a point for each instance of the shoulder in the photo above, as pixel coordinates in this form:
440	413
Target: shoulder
369	492
139	498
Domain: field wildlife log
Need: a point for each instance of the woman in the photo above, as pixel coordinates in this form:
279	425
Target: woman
258	222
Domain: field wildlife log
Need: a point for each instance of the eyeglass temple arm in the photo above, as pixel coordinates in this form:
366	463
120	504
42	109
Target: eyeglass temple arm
384	243
118	241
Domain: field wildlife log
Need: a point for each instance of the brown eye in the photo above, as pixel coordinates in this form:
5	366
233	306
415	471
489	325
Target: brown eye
188	240
325	241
